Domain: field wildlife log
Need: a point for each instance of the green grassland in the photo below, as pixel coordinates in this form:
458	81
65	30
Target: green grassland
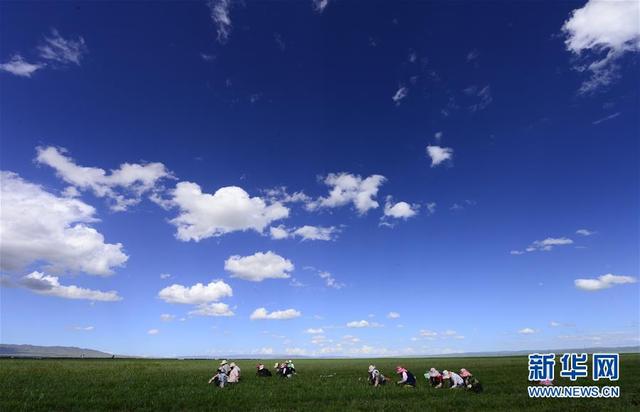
321	385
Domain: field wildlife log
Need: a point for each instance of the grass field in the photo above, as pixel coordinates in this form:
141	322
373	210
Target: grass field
181	385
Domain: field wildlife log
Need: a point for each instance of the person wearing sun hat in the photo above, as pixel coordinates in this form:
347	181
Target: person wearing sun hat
262	371
434	377
225	366
375	377
454	378
408	379
234	373
470	381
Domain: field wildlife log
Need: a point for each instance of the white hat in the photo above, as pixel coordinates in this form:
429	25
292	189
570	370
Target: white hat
371	368
289	361
232	364
433	372
445	374
224	362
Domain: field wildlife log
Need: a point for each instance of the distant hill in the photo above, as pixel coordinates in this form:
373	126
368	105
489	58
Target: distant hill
49	352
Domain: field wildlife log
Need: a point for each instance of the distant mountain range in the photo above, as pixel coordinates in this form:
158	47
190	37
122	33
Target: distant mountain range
31	351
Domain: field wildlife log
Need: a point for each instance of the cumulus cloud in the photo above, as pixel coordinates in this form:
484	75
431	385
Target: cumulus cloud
18	66
399	95
262	313
220	12
601	32
229	209
585	232
196	294
63	51
49	285
279	232
346	188
259	266
603	282
357	324
439	154
39	227
123	186
400	210
212	309
306	232
526	331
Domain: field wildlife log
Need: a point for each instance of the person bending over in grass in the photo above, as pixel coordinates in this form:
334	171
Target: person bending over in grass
262	371
454	379
470	381
283	370
234	373
375	377
291	367
434	377
407	378
219	379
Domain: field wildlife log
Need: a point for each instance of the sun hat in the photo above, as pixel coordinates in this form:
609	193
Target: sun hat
371	368
446	374
224	362
433	372
233	364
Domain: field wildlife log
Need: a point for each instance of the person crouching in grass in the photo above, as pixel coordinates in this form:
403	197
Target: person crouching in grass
375	377
234	373
219	379
407	378
455	381
470	381
262	372
434	377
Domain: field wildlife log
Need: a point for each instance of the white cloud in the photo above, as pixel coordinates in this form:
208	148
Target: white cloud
439	154
165	276
261	313
281	195
603	282
544	245
601	32
347	188
329	280
259	266
393	315
296	351
472	55
399	95
433	335
39	227
212	309
319	5
400	210
483	96
438	136
585	232
229	209
220	11
554	324
428	333
43	284
131	178
61	50
431	208
153	331
363	324
18	66
278	232
604	119
306	232
314	331
526	331
166	317
196	294
84	328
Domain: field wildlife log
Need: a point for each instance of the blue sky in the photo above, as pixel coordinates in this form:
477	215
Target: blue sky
319	177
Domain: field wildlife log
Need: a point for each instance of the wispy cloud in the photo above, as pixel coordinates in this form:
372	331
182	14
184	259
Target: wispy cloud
220	11
604	119
18	66
57	49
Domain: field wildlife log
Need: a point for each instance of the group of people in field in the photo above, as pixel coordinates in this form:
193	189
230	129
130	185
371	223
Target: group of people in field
446	379
229	373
